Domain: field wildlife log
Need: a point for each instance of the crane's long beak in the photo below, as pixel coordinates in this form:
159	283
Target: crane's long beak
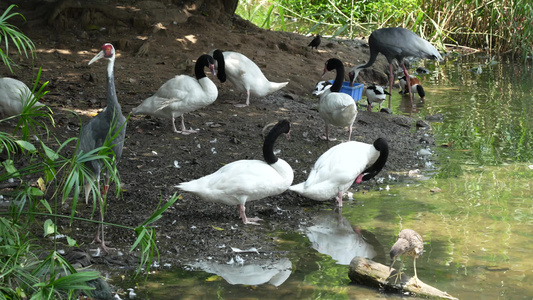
97	57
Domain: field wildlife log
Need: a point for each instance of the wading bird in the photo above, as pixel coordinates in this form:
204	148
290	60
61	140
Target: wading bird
396	43
108	123
409	243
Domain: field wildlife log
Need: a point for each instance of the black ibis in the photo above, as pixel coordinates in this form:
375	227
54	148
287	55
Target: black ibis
315	42
182	94
246	180
108	123
396	43
244	74
335	108
337	169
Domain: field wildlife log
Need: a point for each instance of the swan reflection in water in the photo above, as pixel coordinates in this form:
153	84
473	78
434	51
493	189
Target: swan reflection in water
333	235
256	272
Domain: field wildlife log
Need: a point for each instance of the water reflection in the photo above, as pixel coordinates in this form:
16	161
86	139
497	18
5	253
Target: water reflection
334	235
256	272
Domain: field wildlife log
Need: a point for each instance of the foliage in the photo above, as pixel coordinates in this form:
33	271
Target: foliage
9	32
23	275
458	22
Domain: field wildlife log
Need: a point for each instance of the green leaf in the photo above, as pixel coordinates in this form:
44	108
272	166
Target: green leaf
36	192
71	241
49	227
46	205
26	145
9	166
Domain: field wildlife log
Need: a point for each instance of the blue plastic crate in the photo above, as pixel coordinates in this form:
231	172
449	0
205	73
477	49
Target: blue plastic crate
355	91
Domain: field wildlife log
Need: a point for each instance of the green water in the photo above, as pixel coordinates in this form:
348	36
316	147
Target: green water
477	229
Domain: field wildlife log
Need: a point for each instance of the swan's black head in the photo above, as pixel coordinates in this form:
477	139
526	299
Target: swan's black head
331	64
283	126
219	57
383	148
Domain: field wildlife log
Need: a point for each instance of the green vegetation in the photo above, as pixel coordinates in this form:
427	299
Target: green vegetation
503	27
44	179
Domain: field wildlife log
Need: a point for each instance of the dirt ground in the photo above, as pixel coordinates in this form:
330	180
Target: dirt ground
155	159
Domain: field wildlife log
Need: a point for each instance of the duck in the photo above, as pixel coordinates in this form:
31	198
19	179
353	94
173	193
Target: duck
375	94
334	107
13	94
244	74
182	94
415	86
337	169
246	180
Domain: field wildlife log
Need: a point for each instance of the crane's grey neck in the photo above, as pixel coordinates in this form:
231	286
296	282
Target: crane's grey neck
268	146
383	148
221	65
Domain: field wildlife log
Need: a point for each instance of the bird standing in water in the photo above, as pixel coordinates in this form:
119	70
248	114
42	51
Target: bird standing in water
396	43
409	243
108	123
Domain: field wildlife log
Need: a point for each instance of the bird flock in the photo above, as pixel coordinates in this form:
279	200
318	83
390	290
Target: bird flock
239	182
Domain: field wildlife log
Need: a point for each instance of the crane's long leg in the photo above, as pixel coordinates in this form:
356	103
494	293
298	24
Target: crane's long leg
100	230
350	132
408	79
391	79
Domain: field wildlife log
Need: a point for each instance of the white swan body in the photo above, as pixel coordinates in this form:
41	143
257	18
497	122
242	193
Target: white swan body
182	94
12	94
337	169
335	108
244	74
246	180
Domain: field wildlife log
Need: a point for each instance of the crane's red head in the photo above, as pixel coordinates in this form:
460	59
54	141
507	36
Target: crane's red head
107	51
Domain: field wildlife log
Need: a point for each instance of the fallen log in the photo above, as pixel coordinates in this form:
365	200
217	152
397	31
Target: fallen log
370	273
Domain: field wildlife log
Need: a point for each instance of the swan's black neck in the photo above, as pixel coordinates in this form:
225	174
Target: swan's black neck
221	68
203	61
381	146
334	63
283	126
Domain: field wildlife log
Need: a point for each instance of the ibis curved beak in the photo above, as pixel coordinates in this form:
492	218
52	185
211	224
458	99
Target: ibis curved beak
97	57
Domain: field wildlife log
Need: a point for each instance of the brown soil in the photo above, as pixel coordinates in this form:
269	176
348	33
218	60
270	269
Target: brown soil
226	133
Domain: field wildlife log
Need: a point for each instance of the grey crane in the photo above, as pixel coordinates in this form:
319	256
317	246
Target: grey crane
108	123
409	243
396	43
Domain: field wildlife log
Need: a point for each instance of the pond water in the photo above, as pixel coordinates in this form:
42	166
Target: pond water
477	229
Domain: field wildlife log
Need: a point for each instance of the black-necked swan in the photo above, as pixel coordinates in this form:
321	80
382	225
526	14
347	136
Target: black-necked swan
13	93
337	169
244	74
246	180
335	108
182	94
375	94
